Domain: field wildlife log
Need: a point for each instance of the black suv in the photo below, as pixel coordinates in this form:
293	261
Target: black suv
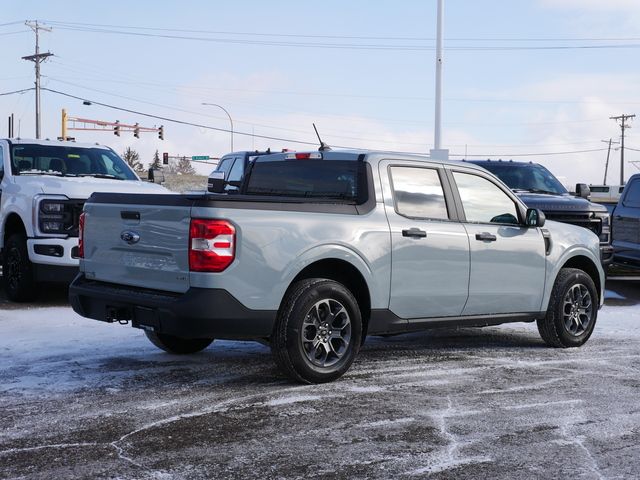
538	188
234	165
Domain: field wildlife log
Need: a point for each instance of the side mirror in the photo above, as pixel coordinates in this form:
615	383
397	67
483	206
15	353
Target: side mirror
583	190
156	175
535	218
215	182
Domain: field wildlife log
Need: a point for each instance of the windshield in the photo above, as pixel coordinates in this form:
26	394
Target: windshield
66	161
338	179
529	177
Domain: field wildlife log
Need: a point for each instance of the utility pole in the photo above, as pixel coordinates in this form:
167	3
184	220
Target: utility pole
623	126
438	152
37	58
606	165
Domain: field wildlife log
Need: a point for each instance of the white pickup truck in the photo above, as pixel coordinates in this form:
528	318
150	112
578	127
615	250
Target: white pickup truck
43	187
317	250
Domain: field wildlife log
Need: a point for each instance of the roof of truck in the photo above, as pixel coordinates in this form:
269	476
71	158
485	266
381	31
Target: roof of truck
370	156
49	142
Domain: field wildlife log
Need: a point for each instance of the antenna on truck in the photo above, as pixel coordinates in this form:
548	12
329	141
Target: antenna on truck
323	146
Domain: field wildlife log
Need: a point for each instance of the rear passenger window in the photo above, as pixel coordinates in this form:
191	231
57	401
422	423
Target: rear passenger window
483	201
418	193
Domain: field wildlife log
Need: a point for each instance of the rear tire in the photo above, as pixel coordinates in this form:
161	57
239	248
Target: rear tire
573	310
177	345
17	270
318	331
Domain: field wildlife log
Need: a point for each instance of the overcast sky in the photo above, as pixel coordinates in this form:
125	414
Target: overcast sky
515	81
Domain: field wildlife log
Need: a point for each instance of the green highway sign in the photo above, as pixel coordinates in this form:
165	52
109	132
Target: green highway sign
200	157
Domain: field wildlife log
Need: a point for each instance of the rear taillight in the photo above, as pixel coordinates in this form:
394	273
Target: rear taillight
81	235
212	245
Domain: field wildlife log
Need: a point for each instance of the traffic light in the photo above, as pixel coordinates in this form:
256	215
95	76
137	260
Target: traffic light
165	157
161	132
116	128
136	130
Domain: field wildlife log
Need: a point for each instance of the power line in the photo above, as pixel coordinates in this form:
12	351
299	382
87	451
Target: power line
11	23
540	154
353	46
17	91
302	142
13	33
132	80
55	79
181	122
349	37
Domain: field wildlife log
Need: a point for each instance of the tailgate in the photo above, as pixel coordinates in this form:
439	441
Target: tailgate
143	244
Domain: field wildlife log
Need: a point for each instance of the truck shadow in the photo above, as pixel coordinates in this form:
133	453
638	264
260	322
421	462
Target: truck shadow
48	295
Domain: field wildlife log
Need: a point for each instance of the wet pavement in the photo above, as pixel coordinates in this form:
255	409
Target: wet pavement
83	399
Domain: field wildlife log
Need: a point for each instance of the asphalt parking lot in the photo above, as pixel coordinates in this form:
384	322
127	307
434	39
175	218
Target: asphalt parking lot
82	399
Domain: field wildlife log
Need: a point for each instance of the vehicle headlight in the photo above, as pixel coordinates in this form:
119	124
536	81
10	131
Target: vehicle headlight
54	218
52	207
605	231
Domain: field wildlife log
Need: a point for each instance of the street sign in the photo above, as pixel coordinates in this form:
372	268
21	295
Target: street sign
200	157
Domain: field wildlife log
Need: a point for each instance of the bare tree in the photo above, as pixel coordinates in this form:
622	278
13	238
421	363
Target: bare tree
185	167
133	159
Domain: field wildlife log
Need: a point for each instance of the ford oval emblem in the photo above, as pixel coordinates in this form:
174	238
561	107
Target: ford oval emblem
130	237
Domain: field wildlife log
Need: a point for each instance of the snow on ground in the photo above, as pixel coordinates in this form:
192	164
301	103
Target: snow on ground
47	338
80	398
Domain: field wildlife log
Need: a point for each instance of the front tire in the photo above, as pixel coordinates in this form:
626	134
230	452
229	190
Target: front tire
318	331
177	345
573	310
17	270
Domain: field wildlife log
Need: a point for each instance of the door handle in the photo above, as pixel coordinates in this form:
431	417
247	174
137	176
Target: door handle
486	237
414	232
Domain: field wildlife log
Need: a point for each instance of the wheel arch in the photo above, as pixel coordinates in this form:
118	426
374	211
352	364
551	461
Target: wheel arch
13	224
587	265
345	273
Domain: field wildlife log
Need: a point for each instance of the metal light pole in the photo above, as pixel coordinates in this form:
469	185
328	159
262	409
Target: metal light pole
437	152
228	115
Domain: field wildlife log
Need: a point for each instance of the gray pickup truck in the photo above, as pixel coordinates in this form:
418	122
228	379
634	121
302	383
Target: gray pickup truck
319	249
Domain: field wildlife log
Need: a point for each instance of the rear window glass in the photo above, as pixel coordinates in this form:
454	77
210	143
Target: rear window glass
337	179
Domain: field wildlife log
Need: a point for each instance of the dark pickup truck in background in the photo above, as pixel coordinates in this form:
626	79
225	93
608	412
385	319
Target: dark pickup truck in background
233	166
538	188
626	224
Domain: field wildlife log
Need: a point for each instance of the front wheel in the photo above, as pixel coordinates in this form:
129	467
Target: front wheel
573	309
17	270
177	345
318	331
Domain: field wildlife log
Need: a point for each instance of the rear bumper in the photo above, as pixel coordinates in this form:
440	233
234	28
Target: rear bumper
197	313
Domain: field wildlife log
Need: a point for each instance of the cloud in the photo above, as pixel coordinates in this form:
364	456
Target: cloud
580	122
594	5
